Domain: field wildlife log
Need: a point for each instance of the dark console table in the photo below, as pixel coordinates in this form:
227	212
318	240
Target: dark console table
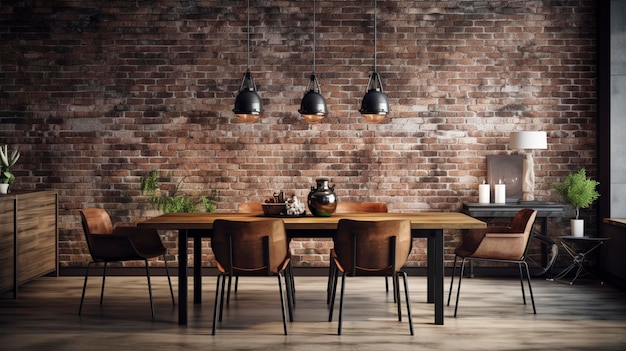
545	210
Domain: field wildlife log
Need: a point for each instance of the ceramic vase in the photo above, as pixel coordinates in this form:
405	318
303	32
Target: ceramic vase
4	188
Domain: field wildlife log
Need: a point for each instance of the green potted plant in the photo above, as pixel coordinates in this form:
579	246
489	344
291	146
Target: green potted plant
173	202
6	161
579	191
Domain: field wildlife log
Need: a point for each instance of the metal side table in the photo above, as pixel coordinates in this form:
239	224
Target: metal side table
579	249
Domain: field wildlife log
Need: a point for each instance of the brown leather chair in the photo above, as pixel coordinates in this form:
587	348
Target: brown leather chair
372	248
251	248
250	207
344	207
107	244
361	207
257	208
497	244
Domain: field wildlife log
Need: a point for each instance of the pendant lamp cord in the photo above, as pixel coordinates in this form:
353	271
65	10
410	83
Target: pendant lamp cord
375	31
248	32
314	37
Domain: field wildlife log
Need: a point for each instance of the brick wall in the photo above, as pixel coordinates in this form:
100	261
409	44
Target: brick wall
97	94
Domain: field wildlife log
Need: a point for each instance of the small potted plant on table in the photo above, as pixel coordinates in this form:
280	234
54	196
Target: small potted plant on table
580	192
6	161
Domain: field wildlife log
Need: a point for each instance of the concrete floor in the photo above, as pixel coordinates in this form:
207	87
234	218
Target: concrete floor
584	316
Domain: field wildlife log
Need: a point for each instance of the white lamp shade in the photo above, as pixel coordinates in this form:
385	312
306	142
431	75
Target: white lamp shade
529	140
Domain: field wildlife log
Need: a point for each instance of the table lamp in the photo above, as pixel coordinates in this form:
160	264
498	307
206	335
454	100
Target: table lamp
528	141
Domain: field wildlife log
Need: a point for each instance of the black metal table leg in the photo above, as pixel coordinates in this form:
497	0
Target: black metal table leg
438	274
430	259
182	277
197	269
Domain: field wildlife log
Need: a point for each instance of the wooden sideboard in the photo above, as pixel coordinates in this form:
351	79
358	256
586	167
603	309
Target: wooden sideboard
28	237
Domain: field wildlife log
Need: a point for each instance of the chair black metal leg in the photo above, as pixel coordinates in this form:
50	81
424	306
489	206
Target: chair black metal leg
395	288
396	295
329	282
222	297
217	299
230	279
104	274
521	280
387	288
452	279
282	302
292	280
292	284
408	302
530	288
458	290
521	272
333	294
289	292
332	272
82	298
229	287
149	288
343	288
169	280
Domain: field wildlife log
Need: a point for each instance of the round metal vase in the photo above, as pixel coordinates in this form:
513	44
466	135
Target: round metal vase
322	200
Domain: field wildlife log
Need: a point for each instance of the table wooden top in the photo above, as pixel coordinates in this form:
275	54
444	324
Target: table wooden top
620	222
419	220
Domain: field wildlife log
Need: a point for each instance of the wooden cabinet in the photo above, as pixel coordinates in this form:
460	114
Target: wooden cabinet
28	237
611	259
7	242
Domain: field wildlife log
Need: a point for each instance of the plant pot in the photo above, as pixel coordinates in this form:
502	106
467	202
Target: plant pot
4	188
578	227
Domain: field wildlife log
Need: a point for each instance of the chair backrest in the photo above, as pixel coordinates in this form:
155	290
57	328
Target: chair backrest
250	207
361	207
523	222
372	247
251	247
95	221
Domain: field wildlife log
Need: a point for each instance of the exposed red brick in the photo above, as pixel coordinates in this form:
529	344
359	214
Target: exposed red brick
98	94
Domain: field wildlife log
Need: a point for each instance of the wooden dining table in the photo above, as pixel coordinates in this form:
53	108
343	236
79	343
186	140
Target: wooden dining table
429	225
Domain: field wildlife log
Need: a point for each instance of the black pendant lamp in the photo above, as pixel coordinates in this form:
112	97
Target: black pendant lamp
374	106
313	106
248	104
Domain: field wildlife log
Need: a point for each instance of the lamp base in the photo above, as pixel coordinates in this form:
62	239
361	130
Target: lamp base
527	194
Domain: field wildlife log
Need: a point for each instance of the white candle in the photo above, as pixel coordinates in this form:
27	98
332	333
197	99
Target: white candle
500	193
483	193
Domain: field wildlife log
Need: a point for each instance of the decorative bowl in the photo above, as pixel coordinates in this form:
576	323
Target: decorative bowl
274	209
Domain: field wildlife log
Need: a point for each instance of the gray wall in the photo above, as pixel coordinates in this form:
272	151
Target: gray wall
618	108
